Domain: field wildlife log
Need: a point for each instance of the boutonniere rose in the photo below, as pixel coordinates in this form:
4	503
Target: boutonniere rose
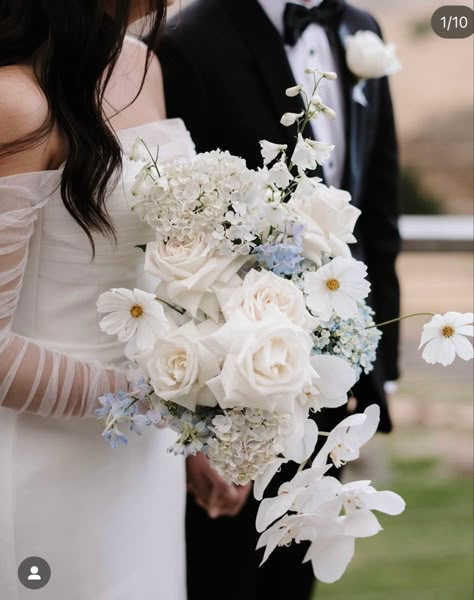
368	57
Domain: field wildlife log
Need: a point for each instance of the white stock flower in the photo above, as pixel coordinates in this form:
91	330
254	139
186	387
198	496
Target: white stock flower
189	269
271	151
138	151
444	337
143	182
279	175
309	153
329	113
291	92
344	441
327	216
368	57
266	363
135	317
179	367
290	118
263	291
337	286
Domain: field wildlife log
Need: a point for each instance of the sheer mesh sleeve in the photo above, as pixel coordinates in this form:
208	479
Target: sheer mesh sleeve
33	378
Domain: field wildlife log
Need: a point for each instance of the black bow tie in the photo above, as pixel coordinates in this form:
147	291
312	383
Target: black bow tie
297	17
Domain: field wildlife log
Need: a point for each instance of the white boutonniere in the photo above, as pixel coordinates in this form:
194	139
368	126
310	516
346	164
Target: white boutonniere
368	57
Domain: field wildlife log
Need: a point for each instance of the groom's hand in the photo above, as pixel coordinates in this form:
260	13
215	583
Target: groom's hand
211	492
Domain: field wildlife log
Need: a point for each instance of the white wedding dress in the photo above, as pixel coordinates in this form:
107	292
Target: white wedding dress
110	523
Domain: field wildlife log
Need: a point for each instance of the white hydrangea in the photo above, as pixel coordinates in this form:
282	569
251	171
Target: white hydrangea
209	193
246	441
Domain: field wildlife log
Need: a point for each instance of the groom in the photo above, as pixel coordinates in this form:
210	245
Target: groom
226	64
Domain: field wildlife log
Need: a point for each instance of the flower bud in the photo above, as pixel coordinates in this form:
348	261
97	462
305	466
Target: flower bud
329	75
329	113
290	118
291	92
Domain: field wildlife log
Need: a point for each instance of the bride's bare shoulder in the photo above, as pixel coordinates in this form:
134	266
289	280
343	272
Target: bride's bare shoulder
23	110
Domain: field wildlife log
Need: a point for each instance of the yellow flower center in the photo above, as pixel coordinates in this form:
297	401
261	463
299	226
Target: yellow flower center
447	331
333	284
136	311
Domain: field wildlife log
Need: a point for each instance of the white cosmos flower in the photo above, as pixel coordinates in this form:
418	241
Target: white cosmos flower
309	153
444	337
290	118
134	316
337	286
344	441
270	151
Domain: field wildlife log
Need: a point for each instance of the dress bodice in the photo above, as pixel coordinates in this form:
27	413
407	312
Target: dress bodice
57	304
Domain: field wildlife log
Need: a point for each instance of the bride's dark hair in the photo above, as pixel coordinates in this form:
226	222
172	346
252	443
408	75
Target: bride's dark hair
73	46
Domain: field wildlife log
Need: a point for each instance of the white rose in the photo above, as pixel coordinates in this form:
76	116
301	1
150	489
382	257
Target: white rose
263	291
189	270
328	218
179	367
266	365
368	57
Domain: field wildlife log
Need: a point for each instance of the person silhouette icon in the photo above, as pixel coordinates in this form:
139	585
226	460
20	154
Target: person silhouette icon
34	576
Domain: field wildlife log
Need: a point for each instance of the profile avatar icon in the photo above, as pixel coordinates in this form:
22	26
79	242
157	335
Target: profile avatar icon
33	576
34	572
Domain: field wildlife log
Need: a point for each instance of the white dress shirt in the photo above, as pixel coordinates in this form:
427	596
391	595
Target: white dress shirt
313	50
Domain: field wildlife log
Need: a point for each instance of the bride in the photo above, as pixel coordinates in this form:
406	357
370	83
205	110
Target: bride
76	91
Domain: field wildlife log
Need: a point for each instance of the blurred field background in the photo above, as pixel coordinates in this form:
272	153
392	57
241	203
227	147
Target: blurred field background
426	553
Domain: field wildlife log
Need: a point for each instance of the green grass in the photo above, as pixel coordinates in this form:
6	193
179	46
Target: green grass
424	554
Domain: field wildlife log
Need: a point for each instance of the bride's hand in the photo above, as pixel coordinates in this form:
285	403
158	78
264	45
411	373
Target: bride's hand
211	492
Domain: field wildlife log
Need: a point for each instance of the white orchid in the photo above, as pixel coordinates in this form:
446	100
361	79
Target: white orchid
335	378
444	337
337	286
135	317
329	514
345	440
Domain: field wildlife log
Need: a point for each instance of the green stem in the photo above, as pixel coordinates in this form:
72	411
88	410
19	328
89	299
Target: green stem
420	314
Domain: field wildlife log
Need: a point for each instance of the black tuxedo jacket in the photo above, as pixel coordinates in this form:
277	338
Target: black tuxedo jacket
225	73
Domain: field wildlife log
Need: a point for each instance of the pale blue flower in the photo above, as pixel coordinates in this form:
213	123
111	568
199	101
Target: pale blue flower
116	437
353	339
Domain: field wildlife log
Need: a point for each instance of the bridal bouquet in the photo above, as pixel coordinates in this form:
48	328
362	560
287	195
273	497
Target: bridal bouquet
259	321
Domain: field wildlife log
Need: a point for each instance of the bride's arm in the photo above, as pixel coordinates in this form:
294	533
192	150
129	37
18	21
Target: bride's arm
33	378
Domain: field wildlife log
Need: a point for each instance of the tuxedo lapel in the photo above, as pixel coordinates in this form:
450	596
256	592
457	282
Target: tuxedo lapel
268	52
356	119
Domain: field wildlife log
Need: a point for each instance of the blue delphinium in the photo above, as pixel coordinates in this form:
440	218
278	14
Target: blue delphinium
282	253
353	339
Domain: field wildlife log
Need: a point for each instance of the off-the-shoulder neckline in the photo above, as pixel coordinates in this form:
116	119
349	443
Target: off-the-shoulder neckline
118	132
